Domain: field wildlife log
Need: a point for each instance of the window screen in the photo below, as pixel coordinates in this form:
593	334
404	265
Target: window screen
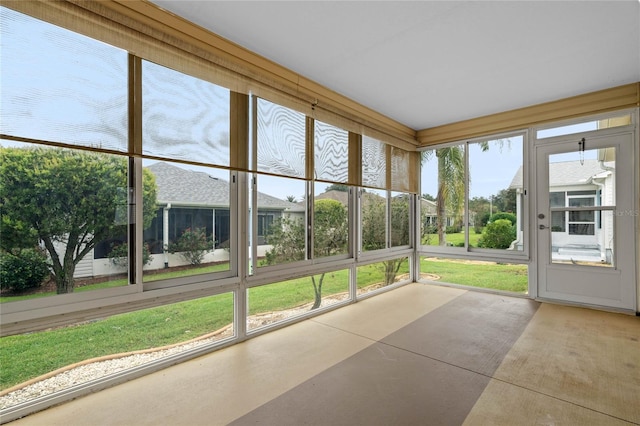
281	140
331	145
184	117
374	163
61	86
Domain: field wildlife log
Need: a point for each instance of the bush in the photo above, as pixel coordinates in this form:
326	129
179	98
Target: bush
502	215
192	245
498	234
22	271
453	230
119	254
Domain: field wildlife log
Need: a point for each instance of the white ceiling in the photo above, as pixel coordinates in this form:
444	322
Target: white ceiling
427	63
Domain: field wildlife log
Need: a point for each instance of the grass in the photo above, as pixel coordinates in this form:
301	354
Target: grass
26	356
504	277
456	240
124	281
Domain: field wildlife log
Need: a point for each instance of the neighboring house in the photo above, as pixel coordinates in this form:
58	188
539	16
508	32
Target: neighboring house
578	235
189	199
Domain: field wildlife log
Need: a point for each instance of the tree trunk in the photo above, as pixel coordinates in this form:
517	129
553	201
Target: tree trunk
64	281
317	289
441	218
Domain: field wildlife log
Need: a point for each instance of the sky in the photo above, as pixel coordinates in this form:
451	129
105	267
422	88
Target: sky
58	110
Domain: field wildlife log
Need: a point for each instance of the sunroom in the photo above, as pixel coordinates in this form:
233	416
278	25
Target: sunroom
154	173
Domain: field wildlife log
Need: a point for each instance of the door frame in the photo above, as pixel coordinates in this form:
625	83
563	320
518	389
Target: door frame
564	140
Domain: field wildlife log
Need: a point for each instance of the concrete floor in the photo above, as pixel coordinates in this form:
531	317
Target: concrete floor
417	355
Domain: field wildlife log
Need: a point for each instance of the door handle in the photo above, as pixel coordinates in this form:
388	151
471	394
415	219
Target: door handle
543	227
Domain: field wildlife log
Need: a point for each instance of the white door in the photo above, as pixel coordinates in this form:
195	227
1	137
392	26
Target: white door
585	221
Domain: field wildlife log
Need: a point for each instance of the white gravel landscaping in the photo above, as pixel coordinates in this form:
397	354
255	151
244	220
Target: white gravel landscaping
75	376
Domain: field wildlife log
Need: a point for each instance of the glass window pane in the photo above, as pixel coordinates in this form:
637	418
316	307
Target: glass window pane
557	199
374	163
373	204
159	332
558	220
491	275
400	168
623	120
281	220
581	216
190	230
378	275
443	188
330	221
400	219
60	86
588	179
581	202
331	153
59	208
281	140
273	303
497	194
581	229
184	117
588	244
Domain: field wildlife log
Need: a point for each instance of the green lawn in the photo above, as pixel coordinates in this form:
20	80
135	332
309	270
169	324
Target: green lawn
41	352
456	240
497	276
124	281
26	356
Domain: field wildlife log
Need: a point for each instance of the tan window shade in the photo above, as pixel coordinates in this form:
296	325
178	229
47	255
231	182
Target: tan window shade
280	144
403	176
143	29
331	152
374	163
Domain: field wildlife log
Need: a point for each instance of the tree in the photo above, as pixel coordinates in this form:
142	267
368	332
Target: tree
291	198
337	187
451	182
450	198
505	200
330	233
374	229
498	234
70	199
192	245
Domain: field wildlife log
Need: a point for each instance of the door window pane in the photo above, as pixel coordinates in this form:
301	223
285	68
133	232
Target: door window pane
584	180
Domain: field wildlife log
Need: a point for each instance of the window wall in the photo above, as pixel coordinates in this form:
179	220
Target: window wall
141	191
467	189
473	213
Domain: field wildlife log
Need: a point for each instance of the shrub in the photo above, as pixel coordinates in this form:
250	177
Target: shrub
119	254
498	234
192	245
453	229
502	215
24	270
